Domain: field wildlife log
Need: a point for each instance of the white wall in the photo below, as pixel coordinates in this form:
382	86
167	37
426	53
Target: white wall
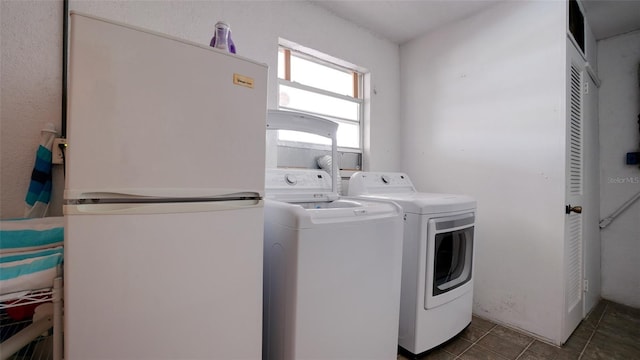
31	63
30	95
618	61
483	114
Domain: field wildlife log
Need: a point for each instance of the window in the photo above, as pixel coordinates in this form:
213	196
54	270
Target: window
576	23
319	87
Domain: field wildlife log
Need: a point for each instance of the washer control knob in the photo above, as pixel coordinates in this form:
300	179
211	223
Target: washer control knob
290	179
385	179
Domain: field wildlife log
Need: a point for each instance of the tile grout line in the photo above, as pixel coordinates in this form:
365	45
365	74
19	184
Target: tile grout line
475	342
525	349
606	306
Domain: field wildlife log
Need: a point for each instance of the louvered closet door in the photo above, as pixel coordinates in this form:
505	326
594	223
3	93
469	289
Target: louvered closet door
573	247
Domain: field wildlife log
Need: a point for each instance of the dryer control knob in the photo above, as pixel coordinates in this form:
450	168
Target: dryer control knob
385	179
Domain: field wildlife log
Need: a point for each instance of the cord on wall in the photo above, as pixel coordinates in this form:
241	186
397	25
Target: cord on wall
65	49
594	76
609	219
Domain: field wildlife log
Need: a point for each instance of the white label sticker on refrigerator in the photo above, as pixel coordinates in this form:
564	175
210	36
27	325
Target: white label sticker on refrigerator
243	80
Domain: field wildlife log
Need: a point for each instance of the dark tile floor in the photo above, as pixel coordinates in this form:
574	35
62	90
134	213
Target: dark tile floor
611	331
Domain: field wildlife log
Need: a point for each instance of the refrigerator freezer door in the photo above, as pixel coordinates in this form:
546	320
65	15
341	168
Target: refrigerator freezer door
164	286
149	111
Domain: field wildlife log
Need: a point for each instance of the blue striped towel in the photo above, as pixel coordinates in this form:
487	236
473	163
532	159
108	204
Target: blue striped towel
29	270
30	253
39	193
21	235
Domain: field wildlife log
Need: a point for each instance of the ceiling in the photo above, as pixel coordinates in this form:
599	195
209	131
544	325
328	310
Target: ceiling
403	20
609	18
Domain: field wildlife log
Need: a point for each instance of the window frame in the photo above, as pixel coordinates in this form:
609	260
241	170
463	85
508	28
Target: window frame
357	98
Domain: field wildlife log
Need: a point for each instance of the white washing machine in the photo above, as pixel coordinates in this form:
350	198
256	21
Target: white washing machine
437	272
331	272
332	266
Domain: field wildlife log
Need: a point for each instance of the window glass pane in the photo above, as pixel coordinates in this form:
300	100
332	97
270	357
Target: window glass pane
301	136
348	135
303	100
321	76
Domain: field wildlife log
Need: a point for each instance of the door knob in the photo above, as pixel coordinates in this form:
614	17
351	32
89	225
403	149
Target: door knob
575	209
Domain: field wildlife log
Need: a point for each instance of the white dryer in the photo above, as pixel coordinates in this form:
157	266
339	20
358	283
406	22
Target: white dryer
437	272
332	266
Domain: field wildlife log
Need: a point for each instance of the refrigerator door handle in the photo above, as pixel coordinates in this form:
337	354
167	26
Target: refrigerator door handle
160	208
157	195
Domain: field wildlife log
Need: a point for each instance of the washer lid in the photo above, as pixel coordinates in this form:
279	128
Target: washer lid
345	211
291	120
428	203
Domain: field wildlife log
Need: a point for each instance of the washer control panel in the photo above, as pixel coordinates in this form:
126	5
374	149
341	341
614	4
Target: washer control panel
297	179
311	184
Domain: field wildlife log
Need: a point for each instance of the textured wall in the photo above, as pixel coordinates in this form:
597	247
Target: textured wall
31	62
483	114
30	95
618	61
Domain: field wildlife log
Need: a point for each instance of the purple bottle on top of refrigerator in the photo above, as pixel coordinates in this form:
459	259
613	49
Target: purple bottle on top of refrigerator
222	38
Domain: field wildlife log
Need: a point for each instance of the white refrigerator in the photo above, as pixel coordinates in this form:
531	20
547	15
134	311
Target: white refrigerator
163	197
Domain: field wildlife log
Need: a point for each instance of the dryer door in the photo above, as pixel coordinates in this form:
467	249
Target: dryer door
449	258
